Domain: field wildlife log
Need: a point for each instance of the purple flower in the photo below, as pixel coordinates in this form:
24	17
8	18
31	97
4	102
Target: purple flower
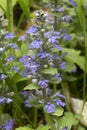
50	19
60	95
8	125
73	3
3	76
14	46
22	38
42	54
10	58
24	58
62	65
51	34
35	44
59	102
9	35
66	18
4	100
67	37
33	66
32	30
57	76
24	93
16	69
65	128
27	102
52	40
59	9
58	47
26	72
43	83
49	107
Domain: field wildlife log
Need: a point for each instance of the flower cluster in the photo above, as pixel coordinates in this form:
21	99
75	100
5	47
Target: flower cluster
8	125
49	103
6	45
45	58
4	100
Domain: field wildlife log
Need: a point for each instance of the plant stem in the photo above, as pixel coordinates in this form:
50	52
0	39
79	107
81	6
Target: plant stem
85	64
10	15
48	117
20	20
49	121
66	92
55	17
54	88
24	114
35	117
0	114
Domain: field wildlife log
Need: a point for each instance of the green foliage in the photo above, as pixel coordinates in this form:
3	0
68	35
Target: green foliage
50	71
3	5
73	56
67	120
25	4
31	86
24	128
70	67
41	127
58	111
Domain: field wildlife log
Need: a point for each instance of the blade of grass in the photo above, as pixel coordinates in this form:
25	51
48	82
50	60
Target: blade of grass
10	15
25	5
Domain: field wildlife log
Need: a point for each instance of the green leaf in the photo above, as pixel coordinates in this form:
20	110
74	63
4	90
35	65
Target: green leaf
58	112
42	127
69	67
78	116
81	127
67	120
25	7
69	78
3	4
22	79
73	56
31	86
50	71
53	80
23	128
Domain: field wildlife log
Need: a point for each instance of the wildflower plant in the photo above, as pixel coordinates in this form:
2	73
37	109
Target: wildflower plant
44	63
6	72
38	57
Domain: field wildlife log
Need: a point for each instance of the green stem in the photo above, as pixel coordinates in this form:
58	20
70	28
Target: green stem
54	88
66	92
55	17
20	21
24	114
2	66
44	93
0	114
35	117
10	15
85	65
47	116
49	121
3	86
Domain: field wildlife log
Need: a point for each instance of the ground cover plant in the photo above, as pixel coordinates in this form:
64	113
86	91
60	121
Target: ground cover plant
42	70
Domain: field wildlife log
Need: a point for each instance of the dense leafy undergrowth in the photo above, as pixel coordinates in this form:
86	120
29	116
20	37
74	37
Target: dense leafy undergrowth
43	72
